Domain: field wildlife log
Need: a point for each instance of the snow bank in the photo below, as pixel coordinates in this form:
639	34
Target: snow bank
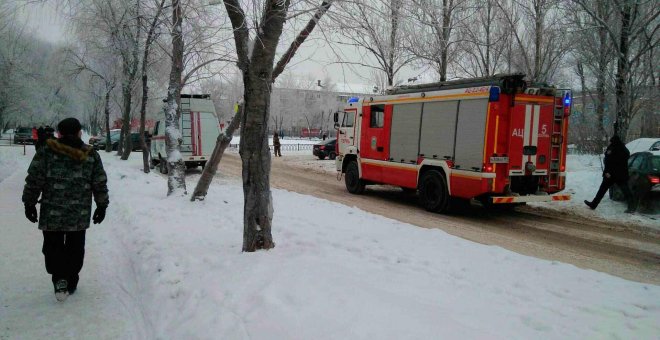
168	268
356	275
584	175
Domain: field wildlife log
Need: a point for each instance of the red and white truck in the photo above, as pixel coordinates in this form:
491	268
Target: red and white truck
493	139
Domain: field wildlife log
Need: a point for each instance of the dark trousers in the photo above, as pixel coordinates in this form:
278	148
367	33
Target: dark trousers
606	184
64	252
278	152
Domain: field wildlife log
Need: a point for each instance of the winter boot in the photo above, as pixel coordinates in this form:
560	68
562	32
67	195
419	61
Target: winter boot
61	292
590	205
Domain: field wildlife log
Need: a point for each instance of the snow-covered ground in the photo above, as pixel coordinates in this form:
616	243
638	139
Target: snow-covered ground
167	268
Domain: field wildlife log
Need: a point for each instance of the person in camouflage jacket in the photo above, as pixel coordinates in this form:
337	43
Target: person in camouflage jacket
66	173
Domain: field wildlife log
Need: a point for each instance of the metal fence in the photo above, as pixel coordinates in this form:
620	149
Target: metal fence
286	147
8	140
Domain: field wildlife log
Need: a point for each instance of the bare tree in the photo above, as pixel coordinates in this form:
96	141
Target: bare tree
537	28
593	62
431	31
149	40
257	66
632	37
484	41
375	28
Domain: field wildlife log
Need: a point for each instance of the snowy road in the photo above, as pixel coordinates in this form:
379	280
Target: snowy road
613	248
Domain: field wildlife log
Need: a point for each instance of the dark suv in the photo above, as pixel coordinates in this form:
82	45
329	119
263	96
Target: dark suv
23	135
325	149
644	182
114	140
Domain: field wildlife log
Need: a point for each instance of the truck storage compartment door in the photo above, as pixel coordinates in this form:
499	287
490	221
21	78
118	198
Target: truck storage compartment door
404	145
470	132
209	130
438	130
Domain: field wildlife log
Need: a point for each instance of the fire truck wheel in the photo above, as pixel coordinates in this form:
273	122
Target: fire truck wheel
354	184
332	156
433	192
321	156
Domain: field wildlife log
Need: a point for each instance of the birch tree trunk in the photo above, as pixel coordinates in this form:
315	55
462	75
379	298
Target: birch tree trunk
211	167
176	180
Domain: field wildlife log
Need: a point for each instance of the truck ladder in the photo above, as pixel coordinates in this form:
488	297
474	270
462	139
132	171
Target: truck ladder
556	140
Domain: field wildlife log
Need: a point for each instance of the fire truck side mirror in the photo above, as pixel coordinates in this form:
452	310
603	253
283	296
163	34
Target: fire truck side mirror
336	117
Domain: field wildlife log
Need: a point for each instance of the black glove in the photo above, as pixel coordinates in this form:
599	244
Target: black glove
99	215
31	213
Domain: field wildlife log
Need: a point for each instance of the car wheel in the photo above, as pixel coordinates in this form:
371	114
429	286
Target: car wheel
354	184
163	165
332	156
433	193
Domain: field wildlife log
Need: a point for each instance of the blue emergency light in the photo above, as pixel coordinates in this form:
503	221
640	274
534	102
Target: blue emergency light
353	99
494	94
567	99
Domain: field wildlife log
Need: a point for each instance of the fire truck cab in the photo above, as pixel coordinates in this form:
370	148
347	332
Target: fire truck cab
493	139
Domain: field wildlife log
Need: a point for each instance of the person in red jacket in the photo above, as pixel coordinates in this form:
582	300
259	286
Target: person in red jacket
35	135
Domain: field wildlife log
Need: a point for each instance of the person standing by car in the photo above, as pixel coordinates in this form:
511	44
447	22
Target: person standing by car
615	172
66	173
276	145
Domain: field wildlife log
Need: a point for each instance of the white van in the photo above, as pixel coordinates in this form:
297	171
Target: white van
199	127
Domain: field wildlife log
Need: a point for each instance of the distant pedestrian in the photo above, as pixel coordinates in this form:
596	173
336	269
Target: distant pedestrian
66	173
276	145
41	138
615	172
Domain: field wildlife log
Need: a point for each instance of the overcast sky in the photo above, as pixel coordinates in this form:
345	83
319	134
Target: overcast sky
314	57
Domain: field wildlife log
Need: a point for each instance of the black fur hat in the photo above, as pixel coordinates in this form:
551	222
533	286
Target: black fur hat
69	126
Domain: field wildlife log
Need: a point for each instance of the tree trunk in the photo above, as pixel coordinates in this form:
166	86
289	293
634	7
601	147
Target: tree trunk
125	145
622	69
106	110
176	180
143	115
255	157
538	40
145	89
211	167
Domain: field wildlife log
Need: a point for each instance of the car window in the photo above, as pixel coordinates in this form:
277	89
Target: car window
655	146
349	118
377	116
631	160
637	163
655	163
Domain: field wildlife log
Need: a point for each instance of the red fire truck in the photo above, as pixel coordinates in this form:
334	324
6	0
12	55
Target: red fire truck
494	139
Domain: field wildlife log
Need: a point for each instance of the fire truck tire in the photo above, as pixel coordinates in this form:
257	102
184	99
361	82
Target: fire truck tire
322	157
332	156
354	184
433	193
